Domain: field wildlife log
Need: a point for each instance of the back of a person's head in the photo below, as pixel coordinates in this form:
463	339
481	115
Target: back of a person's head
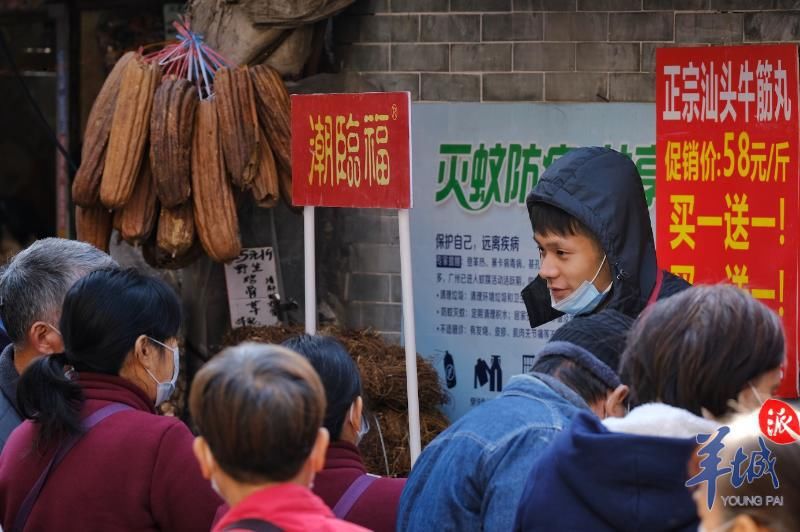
106	311
33	284
584	352
602	333
700	348
337	371
103	315
745	434
577	368
259	408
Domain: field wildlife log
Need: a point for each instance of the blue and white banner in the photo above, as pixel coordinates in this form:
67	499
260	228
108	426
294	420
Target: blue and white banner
472	244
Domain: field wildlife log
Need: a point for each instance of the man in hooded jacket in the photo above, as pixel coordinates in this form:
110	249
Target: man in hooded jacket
590	218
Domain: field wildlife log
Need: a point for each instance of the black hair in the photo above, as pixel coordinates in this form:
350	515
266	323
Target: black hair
103	315
338	373
578	378
548	219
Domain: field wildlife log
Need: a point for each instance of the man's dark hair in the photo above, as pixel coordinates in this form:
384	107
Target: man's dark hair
549	219
700	348
578	378
260	408
338	373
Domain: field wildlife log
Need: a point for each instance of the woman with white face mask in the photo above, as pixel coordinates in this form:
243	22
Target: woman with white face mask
94	453
343	483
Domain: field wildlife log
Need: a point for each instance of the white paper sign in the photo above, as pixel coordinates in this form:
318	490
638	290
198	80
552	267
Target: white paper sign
251	279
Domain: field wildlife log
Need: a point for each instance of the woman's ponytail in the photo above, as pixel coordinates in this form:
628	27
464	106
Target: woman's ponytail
50	399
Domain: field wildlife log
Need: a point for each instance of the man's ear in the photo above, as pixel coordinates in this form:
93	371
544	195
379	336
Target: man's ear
204	457
615	401
317	457
43	339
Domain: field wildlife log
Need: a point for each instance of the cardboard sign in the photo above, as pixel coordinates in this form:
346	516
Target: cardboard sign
351	150
251	279
727	174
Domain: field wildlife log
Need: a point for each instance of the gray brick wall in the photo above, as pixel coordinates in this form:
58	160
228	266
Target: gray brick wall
558	50
505	51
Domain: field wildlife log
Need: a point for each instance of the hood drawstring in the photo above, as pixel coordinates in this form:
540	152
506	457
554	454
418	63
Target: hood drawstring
622	275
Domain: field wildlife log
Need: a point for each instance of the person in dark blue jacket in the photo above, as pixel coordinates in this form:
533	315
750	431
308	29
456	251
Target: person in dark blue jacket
688	358
592	227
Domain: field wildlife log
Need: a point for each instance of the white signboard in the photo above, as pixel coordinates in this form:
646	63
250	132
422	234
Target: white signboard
474	165
251	279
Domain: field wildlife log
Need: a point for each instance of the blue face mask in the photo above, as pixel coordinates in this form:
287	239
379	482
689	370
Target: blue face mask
584	299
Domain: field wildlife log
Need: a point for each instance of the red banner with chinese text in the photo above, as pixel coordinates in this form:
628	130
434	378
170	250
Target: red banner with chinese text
728	193
352	150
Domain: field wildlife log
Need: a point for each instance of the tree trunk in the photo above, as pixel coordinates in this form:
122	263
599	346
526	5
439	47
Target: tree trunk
276	32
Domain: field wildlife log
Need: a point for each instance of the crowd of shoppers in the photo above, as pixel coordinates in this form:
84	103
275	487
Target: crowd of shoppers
641	413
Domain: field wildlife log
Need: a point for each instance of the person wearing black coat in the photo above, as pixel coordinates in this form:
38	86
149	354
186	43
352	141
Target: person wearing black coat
591	224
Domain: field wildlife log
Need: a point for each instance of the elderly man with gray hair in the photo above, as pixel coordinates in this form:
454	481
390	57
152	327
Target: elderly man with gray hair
32	289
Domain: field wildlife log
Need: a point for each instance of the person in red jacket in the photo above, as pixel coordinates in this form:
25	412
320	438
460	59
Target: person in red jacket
343	483
258	410
92	453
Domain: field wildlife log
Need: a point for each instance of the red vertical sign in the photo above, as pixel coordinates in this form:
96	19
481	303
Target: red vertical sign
728	195
352	150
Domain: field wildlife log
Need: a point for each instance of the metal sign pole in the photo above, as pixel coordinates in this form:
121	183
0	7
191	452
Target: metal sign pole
309	259
410	336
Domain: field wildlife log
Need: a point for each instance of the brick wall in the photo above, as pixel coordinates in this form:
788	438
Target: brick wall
503	51
359	264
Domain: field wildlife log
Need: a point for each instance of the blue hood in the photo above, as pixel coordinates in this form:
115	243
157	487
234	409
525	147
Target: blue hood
595	480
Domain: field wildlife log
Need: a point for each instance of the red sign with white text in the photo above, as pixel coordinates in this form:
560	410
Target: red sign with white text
778	422
728	194
352	150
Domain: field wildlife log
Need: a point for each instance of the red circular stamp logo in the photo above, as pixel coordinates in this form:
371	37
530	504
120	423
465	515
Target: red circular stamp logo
778	422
